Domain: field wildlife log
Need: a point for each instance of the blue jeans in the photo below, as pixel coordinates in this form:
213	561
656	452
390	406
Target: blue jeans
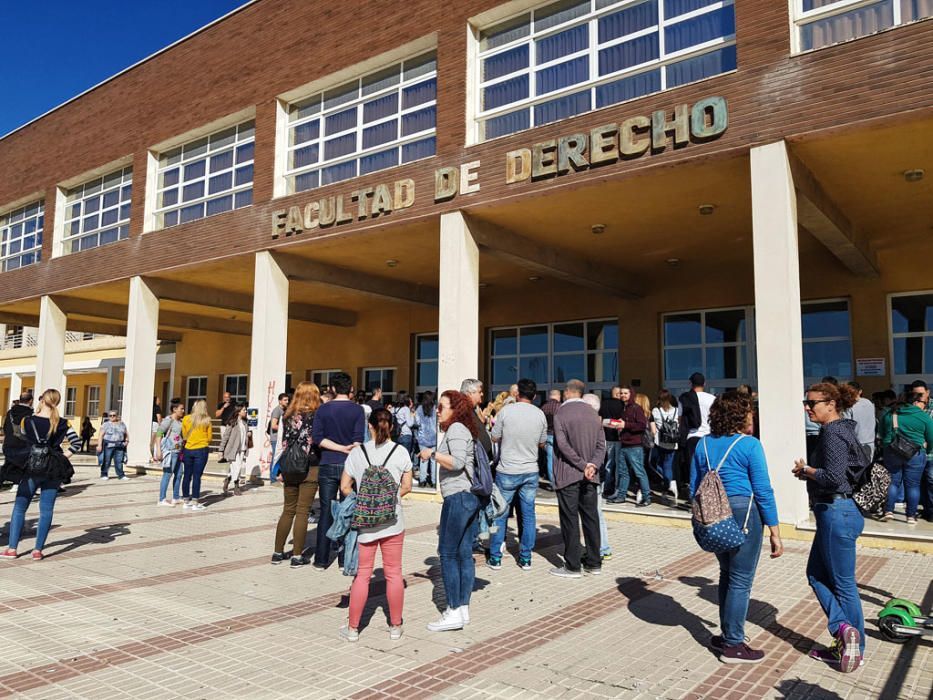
831	567
195	461
404	442
525	486
926	490
634	458
906	472
455	546
549	450
614	466
116	453
170	467
25	491
737	572
328	489
274	469
665	464
604	547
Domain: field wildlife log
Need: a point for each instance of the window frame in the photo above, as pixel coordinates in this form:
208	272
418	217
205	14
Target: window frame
71	401
478	116
421	388
191	398
93	401
800	18
904	379
594	387
6	225
62	239
811	379
238	397
325	373
387	395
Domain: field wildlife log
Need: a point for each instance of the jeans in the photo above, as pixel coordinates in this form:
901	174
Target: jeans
614	466
24	492
171	466
404	441
455	546
274	469
604	547
328	491
578	502
633	457
737	572
831	567
195	461
906	472
391	548
926	490
525	486
549	450
294	517
665	464
115	452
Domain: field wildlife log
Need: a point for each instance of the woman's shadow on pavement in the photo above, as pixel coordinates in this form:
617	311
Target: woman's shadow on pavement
101	534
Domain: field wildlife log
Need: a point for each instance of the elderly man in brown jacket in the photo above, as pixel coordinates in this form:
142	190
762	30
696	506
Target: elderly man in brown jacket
579	446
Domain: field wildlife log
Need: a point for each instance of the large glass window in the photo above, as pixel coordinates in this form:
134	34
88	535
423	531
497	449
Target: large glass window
236	385
573	56
552	354
98	212
426	354
912	337
196	391
827	340
322	377
71	400
372	123
207	176
714	342
93	401
374	377
824	22
21	236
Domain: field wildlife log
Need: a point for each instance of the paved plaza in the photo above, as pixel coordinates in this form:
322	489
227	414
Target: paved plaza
136	601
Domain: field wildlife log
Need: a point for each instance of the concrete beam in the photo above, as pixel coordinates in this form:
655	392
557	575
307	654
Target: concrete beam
819	214
79	325
175	319
237	301
549	261
305	270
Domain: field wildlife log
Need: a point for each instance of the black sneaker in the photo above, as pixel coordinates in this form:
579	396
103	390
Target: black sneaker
643	504
221	461
716	643
277	558
494	563
300	561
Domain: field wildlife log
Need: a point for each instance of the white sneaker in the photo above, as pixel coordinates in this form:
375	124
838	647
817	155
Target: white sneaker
187	504
395	633
167	504
104	478
198	506
124	478
638	497
672	487
451	619
465	613
350	635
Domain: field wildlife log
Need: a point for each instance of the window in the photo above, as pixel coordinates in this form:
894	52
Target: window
322	377
197	390
71	400
236	384
911	337
93	401
573	56
372	123
380	377
21	236
821	23
426	346
98	212
715	342
552	354
289	387
207	176
827	341
120	400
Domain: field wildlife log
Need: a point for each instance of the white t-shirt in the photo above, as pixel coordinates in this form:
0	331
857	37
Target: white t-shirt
705	400
399	464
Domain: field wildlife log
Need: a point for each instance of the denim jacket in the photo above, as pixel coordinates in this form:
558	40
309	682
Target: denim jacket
341	532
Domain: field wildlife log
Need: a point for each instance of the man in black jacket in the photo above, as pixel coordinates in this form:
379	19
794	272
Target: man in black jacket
15	448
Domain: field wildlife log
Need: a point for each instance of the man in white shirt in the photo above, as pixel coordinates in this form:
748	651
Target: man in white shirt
694	422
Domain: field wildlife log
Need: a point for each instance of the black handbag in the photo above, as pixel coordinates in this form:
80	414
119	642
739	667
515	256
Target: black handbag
45	461
900	445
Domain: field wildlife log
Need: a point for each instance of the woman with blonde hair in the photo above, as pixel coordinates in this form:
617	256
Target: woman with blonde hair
501	400
298	496
196	431
43	427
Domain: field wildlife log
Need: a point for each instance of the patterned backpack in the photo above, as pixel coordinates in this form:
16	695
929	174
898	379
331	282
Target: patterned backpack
714	528
376	495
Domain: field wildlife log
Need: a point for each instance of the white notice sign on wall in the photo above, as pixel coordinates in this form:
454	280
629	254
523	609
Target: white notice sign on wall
869	367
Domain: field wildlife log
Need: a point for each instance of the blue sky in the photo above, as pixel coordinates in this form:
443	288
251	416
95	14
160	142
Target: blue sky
56	49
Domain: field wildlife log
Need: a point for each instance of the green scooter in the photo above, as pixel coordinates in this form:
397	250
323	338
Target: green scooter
900	621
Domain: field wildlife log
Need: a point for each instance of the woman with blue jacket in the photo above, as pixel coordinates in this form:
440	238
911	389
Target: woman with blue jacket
744	473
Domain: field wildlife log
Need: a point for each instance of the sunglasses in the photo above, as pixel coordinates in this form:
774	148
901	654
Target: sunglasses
811	403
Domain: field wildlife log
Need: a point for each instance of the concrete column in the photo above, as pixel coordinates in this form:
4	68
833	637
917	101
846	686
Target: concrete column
458	303
777	311
16	387
142	331
113	383
50	348
267	354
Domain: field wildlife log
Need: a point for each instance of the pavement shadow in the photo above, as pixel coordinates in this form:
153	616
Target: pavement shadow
72	489
657	608
759	612
880	601
101	534
438	594
797	688
377	599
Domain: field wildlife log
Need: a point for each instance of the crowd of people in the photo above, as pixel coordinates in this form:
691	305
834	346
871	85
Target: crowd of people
359	456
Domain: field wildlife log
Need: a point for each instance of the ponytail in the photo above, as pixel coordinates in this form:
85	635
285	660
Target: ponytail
844	395
381	421
51	398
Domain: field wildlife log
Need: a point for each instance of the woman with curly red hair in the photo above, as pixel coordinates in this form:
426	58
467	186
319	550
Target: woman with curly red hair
455	458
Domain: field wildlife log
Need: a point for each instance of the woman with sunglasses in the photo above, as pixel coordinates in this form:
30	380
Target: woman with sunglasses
831	567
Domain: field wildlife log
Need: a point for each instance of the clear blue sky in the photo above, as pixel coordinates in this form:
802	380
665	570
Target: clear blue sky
56	49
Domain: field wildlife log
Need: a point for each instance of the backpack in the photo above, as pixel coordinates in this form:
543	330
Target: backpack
869	484
44	461
669	430
396	427
294	462
376	495
482	473
714	527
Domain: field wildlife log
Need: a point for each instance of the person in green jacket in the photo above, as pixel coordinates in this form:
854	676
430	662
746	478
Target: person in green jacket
913	423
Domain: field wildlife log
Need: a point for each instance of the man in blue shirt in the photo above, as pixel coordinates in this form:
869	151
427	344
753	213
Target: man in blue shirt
339	426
